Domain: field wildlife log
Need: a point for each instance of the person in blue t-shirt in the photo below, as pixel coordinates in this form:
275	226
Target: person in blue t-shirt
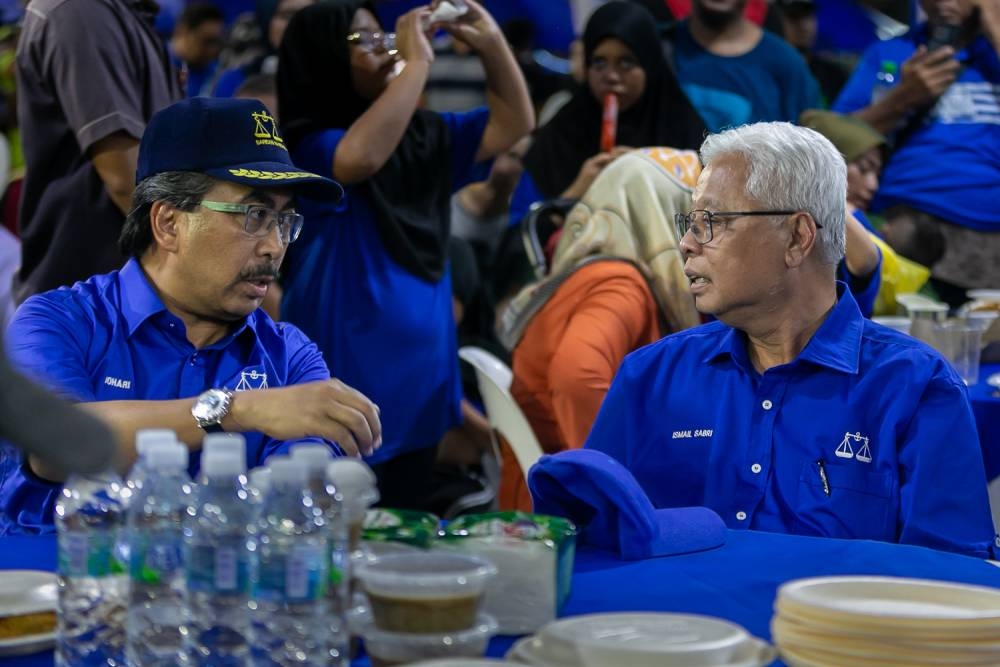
734	72
792	413
372	285
942	112
195	46
176	339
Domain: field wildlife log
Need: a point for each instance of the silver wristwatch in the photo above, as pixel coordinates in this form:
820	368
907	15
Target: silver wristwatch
211	407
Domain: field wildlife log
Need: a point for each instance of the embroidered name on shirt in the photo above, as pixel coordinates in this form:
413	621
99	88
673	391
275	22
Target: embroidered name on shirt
697	433
117	383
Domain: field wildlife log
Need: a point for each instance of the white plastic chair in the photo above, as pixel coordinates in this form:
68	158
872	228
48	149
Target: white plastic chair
494	378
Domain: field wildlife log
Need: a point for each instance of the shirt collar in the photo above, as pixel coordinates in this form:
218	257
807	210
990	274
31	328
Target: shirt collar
836	344
139	299
140	302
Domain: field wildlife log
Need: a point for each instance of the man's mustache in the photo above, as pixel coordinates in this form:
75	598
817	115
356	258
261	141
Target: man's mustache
261	271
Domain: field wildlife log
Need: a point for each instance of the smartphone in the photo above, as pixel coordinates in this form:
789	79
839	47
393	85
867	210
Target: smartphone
946	34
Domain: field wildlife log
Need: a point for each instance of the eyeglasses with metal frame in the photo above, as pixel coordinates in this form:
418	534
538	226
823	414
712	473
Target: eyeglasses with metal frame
701	222
259	220
371	41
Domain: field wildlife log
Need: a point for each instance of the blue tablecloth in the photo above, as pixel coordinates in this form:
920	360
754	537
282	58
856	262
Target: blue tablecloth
737	581
986	407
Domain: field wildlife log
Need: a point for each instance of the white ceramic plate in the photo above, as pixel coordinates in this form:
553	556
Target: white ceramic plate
910	600
27	592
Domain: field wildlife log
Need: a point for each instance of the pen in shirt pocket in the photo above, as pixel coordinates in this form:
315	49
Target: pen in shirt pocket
822	476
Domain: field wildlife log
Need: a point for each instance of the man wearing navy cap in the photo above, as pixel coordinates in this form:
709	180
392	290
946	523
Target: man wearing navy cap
176	339
792	413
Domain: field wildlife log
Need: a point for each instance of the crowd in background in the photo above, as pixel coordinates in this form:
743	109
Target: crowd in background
428	253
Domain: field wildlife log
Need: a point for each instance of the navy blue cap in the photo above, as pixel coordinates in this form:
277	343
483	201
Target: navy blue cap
605	501
230	139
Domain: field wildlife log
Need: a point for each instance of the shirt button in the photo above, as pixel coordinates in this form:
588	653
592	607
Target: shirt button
741	516
766	404
755	468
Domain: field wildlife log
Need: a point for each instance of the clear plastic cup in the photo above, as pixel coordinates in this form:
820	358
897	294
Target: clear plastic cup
425	592
960	341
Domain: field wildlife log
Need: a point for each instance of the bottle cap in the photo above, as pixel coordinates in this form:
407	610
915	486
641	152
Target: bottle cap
260	479
167	457
225	442
215	464
151	437
286	473
314	456
353	480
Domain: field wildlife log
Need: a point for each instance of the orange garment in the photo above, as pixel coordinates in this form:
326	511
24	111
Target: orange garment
568	355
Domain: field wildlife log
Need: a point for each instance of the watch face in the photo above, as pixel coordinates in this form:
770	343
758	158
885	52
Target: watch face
209	405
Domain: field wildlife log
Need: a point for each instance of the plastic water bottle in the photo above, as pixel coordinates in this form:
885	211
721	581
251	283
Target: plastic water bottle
885	79
217	560
356	489
316	458
92	583
233	443
146	440
288	572
259	483
156	611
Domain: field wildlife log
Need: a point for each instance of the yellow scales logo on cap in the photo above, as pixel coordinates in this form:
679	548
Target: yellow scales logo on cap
266	133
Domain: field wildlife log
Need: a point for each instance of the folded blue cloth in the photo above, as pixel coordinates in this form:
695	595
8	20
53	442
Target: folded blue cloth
612	511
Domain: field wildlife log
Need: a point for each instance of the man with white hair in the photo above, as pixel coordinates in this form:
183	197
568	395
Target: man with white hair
792	413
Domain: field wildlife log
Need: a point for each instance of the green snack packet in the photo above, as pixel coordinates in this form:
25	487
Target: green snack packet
418	529
534	556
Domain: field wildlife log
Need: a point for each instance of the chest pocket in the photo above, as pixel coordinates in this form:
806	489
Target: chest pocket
861	503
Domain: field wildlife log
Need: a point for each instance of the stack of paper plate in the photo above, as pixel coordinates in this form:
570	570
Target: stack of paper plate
861	621
641	640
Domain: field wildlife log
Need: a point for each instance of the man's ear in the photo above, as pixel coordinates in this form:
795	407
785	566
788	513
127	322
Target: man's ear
801	240
165	222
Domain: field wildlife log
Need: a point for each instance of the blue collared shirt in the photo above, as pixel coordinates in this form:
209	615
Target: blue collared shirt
867	434
111	338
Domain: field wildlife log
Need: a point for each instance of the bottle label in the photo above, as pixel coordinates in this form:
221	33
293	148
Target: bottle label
87	555
154	561
217	569
299	576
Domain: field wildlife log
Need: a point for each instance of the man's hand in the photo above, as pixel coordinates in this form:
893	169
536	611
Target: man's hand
328	409
926	75
476	28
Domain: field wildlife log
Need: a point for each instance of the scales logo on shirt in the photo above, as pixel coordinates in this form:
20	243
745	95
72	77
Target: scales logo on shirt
251	380
845	450
266	130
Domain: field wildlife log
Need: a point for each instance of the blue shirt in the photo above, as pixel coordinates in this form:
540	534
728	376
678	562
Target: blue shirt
111	338
384	331
950	165
769	82
867	434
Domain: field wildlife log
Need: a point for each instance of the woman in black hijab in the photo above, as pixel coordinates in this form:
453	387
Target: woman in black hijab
368	281
624	56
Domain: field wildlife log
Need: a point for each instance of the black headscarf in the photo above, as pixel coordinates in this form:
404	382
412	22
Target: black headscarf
663	116
410	194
